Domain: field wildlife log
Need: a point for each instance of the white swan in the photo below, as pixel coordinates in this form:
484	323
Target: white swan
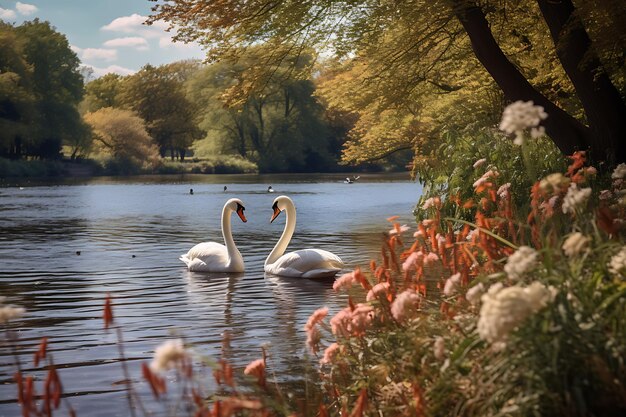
306	263
214	257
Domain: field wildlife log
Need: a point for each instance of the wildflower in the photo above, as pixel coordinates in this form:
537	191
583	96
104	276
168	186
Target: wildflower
605	195
412	260
504	309
330	353
480	162
377	291
256	368
473	294
439	348
362	317
430	202
620	172
521	115
452	284
617	265
168	355
340	323
317	316
404	304
576	243
431	258
503	191
346	280
554	183
8	312
591	171
313	334
485	178
575	198
399	230
472	234
521	262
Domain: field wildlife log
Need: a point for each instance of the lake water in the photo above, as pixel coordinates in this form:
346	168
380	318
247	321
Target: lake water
130	233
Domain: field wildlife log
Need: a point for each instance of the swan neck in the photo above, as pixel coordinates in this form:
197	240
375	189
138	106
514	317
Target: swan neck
285	238
234	257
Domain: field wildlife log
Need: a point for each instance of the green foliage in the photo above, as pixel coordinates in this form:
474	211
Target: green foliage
281	126
31	168
216	164
157	95
121	141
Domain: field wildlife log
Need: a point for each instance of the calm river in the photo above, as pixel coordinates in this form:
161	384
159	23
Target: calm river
130	232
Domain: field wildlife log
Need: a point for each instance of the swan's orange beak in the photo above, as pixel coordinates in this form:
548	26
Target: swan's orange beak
242	216
276	213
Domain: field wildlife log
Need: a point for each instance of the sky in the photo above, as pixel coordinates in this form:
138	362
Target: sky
107	35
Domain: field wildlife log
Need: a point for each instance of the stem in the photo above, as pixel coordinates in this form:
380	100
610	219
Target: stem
488	232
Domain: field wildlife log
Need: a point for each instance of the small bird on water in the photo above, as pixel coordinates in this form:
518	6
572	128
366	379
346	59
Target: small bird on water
191	191
270	189
225	188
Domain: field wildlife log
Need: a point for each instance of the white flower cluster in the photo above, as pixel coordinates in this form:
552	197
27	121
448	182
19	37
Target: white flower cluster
522	115
479	163
617	265
575	198
452	284
521	262
473	294
575	244
8	312
168	355
620	172
553	183
504	309
503	191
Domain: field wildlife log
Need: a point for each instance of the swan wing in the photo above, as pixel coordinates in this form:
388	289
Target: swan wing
206	256
306	263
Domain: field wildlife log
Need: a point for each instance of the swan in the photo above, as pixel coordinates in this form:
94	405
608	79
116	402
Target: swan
214	257
305	263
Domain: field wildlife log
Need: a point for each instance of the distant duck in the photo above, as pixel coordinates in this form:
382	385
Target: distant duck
348	180
352	180
225	188
191	191
270	189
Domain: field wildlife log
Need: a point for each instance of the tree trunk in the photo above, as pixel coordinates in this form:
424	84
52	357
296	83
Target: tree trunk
568	134
604	108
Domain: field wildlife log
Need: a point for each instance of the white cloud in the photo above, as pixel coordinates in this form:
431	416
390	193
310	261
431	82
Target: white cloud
133	24
7	14
115	69
76	49
139	43
99	53
25	9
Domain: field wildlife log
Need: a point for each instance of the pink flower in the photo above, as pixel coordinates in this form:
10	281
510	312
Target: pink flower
452	284
340	323
256	368
346	280
330	353
430	258
313	339
479	162
412	260
317	316
503	191
377	291
399	230
405	305
362	317
489	174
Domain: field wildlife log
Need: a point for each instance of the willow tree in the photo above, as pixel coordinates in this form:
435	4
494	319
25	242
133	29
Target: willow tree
452	27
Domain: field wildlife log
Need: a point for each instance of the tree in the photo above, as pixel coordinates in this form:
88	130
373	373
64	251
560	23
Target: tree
122	135
280	125
157	94
428	36
16	96
102	92
57	86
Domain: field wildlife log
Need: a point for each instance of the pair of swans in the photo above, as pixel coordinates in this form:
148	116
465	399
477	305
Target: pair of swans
305	263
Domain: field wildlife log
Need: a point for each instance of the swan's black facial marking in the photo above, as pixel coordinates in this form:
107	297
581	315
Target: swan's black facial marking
276	212
240	210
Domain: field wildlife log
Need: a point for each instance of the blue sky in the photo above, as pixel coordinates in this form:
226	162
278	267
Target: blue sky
107	35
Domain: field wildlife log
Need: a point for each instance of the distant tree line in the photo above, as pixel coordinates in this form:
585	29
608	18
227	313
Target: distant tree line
172	111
